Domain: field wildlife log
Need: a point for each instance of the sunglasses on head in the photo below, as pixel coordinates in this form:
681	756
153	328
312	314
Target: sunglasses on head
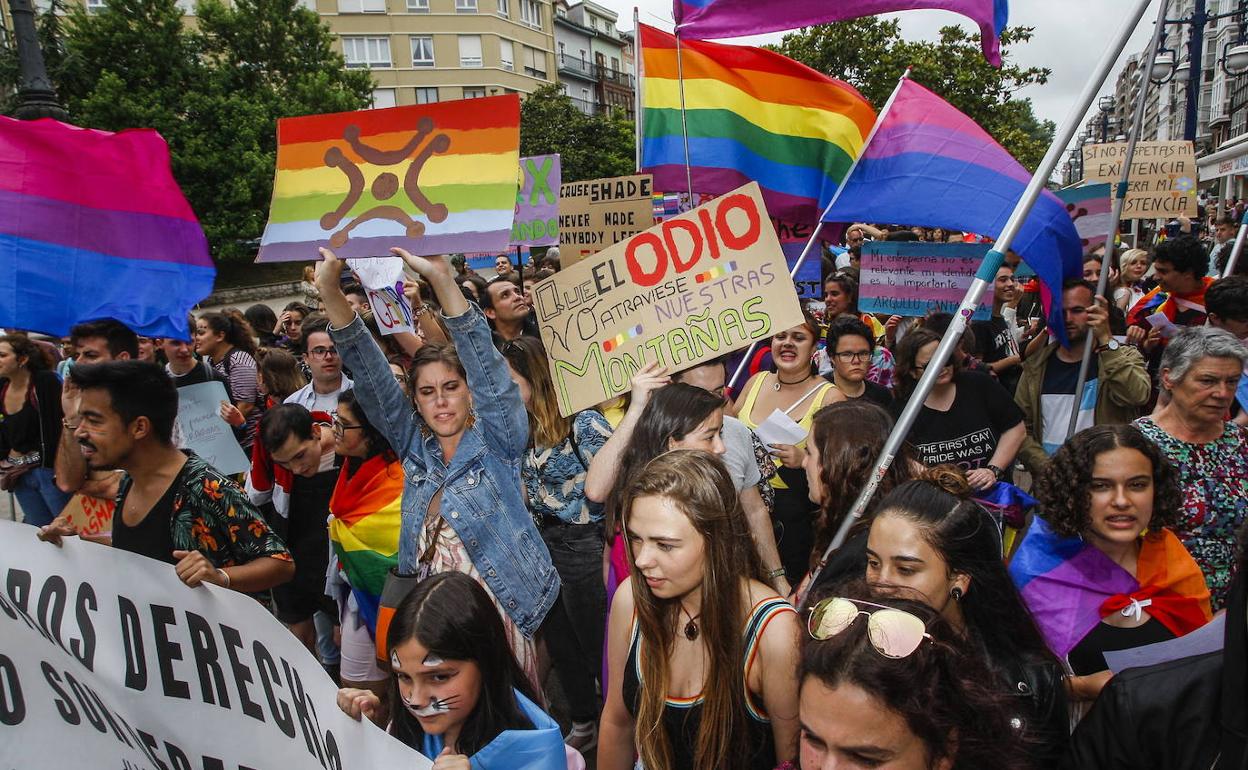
893	633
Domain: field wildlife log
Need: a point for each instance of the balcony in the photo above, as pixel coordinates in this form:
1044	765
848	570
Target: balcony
587	107
576	66
608	75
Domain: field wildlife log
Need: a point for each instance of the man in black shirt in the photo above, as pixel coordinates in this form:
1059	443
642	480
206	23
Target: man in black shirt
994	339
184	368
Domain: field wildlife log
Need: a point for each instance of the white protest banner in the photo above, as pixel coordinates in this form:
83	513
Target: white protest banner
695	287
201	428
108	661
382	279
599	213
909	279
1162	182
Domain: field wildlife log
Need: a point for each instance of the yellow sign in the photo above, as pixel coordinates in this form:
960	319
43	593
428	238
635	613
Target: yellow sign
1162	183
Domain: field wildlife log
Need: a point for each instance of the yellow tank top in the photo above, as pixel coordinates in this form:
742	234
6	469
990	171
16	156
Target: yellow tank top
813	400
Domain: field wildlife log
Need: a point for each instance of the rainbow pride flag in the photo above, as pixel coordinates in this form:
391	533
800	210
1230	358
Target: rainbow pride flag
431	178
93	225
364	529
734	18
752	115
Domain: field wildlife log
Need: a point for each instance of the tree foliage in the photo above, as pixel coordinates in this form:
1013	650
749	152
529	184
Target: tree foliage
870	54
590	147
213	90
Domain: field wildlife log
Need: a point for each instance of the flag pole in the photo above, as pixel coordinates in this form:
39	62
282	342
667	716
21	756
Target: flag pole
987	272
1120	198
1239	246
684	124
814	236
638	102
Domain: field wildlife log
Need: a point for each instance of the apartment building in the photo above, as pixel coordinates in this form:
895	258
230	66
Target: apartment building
593	57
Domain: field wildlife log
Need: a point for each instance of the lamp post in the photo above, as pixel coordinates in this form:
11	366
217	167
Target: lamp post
1233	61
36	96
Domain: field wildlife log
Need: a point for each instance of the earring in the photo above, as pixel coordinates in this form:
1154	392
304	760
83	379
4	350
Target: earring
471	421
956	593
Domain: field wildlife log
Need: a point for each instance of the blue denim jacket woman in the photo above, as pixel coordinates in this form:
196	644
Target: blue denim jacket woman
480	486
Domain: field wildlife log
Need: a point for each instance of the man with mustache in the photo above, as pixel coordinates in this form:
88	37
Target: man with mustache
171	505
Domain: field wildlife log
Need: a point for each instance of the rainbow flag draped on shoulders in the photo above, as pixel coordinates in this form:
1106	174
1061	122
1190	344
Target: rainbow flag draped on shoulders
1070	585
752	115
1181	309
93	225
364	529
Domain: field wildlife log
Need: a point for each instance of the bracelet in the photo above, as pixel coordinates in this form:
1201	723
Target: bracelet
225	575
418	312
775	573
998	472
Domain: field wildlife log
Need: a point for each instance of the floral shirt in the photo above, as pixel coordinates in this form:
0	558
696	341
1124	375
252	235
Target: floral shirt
554	479
1213	479
211	514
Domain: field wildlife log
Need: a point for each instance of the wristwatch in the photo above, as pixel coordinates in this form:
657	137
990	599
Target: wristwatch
998	472
1113	344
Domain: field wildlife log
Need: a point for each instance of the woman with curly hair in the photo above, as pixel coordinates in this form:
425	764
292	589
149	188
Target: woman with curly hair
1101	571
886	682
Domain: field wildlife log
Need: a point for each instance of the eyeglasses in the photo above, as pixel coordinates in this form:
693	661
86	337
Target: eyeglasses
341	427
893	633
923	367
323	352
846	356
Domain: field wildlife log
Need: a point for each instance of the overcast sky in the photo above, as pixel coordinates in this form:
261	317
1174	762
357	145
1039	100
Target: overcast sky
1070	37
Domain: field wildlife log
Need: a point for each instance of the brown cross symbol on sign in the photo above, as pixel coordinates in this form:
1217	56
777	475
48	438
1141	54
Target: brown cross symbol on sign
386	184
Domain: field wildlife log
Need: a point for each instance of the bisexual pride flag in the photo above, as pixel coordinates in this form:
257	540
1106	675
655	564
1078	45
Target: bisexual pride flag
93	225
932	166
734	18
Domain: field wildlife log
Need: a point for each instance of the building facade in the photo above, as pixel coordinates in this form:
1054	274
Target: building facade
593	58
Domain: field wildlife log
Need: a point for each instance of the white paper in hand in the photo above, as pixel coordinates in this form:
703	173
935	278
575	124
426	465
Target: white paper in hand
779	428
1162	324
382	278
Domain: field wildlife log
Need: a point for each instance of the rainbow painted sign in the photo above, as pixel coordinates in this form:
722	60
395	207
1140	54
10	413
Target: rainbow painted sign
431	178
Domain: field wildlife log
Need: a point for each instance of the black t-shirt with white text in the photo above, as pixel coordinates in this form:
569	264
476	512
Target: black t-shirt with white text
966	435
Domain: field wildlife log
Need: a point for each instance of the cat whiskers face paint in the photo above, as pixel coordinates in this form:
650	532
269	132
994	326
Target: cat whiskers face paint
436	706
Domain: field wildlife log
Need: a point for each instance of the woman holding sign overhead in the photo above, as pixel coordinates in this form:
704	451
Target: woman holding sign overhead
780	407
461	448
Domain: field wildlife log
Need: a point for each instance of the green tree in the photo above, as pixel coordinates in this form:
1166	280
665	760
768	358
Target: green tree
590	147
869	54
214	92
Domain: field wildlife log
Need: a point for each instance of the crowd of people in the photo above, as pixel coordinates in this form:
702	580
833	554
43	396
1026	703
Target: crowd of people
647	583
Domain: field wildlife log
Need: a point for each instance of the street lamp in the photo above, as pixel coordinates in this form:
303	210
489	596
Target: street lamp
1234	59
36	97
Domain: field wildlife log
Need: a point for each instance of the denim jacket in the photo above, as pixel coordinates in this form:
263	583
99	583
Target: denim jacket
481	491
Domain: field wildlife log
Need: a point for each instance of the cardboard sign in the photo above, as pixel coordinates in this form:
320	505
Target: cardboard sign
201	428
431	178
382	279
695	287
90	515
910	279
1090	208
600	213
537	202
108	660
1162	182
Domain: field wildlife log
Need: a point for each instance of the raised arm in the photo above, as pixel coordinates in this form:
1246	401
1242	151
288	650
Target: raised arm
600	477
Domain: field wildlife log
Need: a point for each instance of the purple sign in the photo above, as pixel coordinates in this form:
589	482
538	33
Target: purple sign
537	202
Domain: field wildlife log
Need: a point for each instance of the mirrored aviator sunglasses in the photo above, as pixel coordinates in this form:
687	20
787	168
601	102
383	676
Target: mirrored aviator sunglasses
893	633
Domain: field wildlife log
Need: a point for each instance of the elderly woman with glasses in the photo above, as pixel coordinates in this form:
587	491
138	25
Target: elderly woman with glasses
1200	372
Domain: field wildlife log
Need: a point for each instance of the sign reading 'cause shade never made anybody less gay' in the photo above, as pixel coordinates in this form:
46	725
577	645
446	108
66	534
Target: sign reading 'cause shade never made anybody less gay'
602	212
695	287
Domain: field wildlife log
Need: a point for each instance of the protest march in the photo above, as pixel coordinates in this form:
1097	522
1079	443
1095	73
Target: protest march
828	429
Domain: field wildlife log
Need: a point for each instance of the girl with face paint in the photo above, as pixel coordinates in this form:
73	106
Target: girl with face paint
459	695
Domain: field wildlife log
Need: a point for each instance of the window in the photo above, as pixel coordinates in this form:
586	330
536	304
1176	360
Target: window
504	8
474	93
422	51
507	54
531	13
361	6
534	62
426	95
418	6
465	6
308	4
95	6
562	52
373	52
383	97
186	6
470	50
615	64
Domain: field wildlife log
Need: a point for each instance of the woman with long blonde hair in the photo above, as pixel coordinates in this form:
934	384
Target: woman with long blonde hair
702	652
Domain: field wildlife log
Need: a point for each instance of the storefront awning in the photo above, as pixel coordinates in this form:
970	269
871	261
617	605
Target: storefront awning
1230	159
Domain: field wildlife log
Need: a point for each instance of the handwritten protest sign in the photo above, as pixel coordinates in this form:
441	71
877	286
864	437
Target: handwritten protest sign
1162	182
432	178
537	202
382	280
695	287
602	212
90	515
202	429
910	279
1089	207
108	660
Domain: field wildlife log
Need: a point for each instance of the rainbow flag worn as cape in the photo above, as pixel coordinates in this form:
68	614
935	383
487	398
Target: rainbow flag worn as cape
364	529
1181	309
1070	585
752	115
93	225
431	178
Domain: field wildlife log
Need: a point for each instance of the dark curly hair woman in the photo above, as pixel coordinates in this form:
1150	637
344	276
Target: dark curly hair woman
1100	571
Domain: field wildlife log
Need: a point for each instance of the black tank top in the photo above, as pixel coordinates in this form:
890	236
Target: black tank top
683	716
153	535
1088	657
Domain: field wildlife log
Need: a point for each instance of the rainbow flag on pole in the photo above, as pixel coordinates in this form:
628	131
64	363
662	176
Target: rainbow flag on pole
734	18
752	115
364	525
93	225
432	178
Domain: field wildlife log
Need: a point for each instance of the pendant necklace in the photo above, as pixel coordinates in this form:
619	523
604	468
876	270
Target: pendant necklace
691	628
780	382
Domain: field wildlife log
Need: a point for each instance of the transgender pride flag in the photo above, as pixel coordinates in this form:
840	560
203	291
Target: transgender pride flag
93	225
708	19
929	165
